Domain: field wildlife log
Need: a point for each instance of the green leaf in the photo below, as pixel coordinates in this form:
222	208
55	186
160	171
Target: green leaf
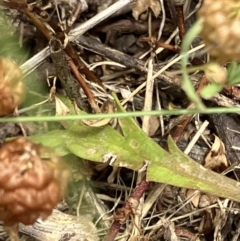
54	139
179	170
133	149
231	69
210	90
134	134
175	167
235	80
105	144
9	42
233	73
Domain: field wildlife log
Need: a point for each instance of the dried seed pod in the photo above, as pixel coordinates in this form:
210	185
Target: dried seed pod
11	86
29	187
221	28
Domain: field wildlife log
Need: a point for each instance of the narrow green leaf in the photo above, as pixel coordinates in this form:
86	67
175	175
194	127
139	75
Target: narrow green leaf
233	73
231	69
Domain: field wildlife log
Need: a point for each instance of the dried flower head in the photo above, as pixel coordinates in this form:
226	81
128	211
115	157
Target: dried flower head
29	187
221	28
11	86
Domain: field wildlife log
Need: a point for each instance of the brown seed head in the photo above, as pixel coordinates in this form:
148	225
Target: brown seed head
29	187
221	28
11	86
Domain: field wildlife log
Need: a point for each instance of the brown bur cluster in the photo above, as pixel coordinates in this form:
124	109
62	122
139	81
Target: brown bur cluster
29	187
11	86
221	28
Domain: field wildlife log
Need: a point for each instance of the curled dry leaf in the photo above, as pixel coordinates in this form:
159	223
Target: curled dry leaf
216	159
142	6
125	93
11	86
200	200
122	214
206	224
29	187
195	199
169	233
206	200
111	178
154	124
108	107
61	108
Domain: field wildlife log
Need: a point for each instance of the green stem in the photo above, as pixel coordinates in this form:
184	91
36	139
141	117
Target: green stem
120	115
